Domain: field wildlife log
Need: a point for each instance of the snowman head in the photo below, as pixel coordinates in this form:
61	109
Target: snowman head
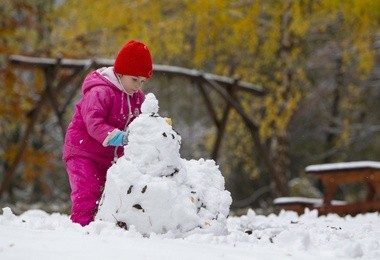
150	104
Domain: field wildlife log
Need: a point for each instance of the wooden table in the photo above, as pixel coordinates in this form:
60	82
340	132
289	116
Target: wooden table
334	174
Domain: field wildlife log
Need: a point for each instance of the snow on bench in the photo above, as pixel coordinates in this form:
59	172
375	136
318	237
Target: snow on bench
343	166
304	201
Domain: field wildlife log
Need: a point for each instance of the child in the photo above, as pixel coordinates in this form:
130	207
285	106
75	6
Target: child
112	98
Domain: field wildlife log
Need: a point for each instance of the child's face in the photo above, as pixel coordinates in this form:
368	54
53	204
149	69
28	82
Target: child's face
132	84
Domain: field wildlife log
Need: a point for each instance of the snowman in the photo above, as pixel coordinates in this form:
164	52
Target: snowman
153	189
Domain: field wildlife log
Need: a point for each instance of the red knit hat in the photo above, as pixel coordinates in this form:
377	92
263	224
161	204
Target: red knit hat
134	59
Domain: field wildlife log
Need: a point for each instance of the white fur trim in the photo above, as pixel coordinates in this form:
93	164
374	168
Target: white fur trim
110	75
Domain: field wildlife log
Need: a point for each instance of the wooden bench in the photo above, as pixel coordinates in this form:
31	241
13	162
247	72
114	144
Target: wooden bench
335	174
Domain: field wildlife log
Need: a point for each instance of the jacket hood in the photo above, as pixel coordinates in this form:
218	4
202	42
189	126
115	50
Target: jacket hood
101	77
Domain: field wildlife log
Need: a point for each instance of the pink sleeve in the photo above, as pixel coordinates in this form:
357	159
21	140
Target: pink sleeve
95	107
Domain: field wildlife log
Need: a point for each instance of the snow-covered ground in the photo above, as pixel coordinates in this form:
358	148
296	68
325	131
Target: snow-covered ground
38	235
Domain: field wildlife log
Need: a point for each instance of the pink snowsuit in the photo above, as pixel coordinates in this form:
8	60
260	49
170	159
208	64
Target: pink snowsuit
102	108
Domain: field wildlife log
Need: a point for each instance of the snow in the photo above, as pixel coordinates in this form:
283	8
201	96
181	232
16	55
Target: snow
38	235
343	166
156	205
150	104
315	201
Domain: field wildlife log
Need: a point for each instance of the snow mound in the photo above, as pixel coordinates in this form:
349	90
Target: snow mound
153	189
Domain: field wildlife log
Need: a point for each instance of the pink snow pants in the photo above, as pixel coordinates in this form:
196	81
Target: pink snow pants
87	179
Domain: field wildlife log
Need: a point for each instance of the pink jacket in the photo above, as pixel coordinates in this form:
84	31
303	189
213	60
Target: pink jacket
102	108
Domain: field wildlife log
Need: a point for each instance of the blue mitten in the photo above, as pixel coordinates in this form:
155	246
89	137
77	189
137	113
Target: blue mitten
117	140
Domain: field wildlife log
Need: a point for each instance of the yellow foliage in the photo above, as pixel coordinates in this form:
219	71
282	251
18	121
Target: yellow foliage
36	163
344	137
357	29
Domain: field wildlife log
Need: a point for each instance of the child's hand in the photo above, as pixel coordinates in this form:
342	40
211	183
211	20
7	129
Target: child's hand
121	138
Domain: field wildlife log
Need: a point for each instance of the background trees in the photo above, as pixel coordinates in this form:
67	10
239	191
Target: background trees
316	59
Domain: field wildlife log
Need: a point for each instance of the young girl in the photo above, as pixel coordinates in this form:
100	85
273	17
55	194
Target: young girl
112	98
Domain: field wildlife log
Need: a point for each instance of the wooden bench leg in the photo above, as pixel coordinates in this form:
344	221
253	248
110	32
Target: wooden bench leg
329	192
371	191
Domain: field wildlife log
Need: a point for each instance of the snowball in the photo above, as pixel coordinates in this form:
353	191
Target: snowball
150	104
8	214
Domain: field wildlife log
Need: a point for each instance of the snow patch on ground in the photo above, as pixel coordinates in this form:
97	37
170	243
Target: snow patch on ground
38	235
